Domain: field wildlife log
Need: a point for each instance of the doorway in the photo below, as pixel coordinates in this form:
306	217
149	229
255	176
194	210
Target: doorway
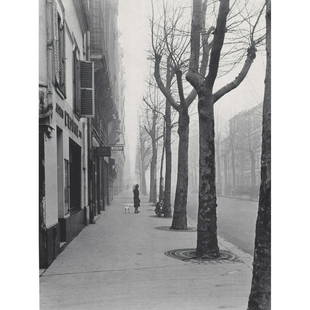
60	174
75	176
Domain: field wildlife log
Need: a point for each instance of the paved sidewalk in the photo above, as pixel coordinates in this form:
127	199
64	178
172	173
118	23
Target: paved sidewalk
119	263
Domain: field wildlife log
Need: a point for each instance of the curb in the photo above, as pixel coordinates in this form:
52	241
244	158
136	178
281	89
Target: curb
238	198
246	258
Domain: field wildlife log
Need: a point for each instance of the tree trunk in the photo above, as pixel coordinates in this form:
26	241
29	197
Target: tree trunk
143	181
161	179
153	171
179	213
153	178
260	296
142	165
207	244
167	192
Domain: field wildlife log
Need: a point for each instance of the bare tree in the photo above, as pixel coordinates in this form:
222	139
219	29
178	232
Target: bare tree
260	296
153	109
207	244
169	41
143	156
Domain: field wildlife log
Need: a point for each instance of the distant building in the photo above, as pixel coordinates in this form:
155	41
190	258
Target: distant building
239	153
107	127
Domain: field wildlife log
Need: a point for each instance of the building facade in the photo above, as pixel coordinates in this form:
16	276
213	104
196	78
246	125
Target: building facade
107	127
74	96
239	154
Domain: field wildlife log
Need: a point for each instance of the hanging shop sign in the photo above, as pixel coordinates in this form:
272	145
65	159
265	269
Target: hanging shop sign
103	151
117	148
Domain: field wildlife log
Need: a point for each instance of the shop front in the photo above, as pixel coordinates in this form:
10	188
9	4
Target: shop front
72	210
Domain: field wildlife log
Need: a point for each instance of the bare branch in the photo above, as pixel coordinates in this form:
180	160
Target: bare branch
152	107
148	131
192	75
257	20
166	92
219	35
180	86
240	77
251	54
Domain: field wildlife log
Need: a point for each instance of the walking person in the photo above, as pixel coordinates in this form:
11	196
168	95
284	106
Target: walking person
136	199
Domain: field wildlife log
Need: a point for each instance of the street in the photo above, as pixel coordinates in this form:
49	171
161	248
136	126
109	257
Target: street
236	220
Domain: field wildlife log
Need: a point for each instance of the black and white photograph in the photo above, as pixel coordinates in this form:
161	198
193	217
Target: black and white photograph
152	157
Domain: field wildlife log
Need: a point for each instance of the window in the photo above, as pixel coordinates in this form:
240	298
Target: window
59	51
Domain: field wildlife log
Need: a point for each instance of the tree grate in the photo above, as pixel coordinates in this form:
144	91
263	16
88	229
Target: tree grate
189	255
167	228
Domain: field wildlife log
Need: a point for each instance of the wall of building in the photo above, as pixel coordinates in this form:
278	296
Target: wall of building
59	222
42	44
109	85
243	139
73	35
51	196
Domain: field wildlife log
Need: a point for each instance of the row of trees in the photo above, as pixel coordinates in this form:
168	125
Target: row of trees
186	61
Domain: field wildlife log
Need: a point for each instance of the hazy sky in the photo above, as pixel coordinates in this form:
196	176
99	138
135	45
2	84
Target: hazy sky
135	41
133	26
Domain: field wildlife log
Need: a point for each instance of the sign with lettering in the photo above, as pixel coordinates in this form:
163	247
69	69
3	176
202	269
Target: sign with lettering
59	111
117	148
71	124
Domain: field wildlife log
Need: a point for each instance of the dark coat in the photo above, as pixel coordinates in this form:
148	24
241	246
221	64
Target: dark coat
136	198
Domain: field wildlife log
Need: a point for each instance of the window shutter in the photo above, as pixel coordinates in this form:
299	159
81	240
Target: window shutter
87	89
56	43
62	60
77	84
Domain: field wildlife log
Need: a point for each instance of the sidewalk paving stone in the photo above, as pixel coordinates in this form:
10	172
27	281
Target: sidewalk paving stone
120	263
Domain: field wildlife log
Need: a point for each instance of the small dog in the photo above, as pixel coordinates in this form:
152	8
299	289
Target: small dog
126	209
